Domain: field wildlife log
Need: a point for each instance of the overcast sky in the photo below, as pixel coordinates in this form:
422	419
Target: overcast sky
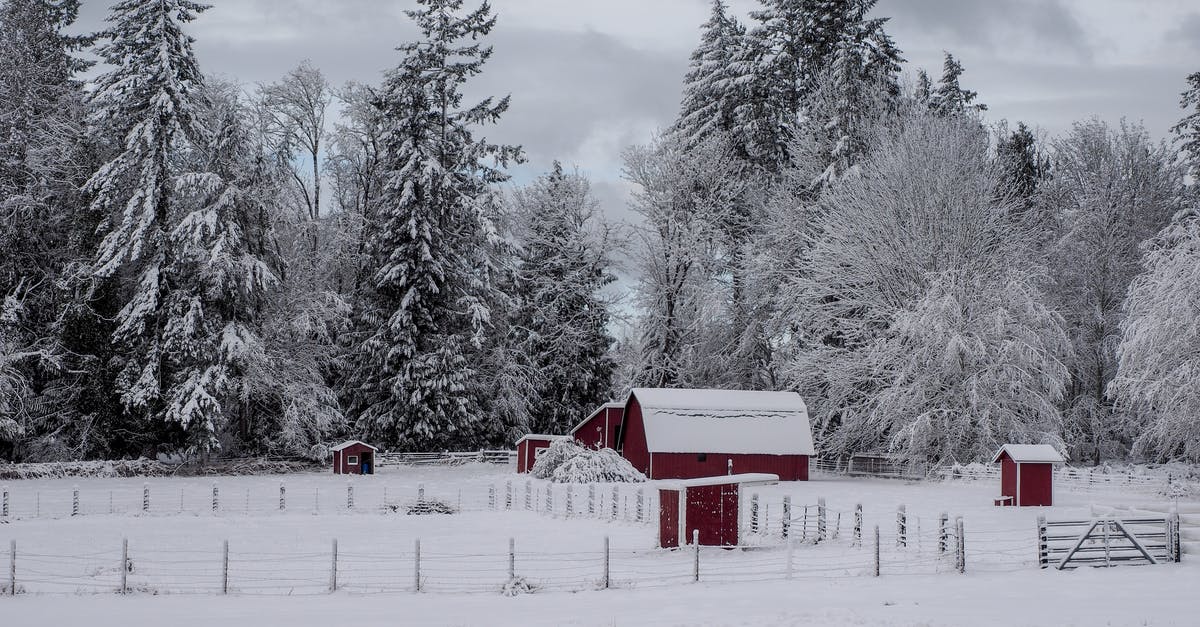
590	77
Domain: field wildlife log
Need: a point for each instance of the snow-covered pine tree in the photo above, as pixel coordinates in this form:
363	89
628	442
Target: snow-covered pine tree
147	104
1188	129
710	89
218	276
563	318
426	311
949	98
43	162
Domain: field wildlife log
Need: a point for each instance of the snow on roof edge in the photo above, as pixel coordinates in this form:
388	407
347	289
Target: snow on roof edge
744	478
349	443
1031	453
541	436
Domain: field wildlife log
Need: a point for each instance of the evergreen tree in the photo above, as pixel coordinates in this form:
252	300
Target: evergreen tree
1188	129
43	162
949	98
562	317
148	103
710	91
427	311
1022	162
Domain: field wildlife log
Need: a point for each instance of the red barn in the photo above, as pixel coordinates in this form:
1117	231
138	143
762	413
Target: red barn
1027	474
600	429
530	446
685	434
354	458
710	506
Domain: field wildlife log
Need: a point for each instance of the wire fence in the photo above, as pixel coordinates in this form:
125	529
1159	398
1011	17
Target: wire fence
442	567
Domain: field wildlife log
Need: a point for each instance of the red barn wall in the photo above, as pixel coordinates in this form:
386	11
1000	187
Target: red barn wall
342	465
1008	476
600	431
1037	484
633	438
527	453
690	466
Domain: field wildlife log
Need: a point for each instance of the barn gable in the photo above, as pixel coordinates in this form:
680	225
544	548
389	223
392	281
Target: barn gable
724	421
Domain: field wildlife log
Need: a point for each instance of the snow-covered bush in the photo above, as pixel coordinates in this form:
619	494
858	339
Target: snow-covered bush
568	462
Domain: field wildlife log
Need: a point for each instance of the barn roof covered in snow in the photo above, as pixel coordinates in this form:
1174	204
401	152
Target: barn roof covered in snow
1030	453
349	443
724	421
593	415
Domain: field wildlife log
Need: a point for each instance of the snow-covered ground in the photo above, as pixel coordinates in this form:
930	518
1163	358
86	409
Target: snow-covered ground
280	562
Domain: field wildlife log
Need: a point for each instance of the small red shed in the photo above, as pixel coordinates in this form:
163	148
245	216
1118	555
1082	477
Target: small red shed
354	458
687	434
600	429
709	505
532	445
1027	474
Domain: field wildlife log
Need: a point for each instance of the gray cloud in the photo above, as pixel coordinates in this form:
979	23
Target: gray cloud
1187	32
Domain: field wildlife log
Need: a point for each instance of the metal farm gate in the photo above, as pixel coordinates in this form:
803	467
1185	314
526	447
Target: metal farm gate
1104	542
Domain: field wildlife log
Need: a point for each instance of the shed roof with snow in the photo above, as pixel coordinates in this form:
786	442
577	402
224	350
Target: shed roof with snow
540	437
347	444
1030	454
726	421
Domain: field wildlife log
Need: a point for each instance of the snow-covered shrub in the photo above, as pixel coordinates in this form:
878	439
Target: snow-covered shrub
518	585
424	507
568	462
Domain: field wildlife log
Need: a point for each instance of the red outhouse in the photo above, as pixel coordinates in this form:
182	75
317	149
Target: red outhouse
600	429
354	458
685	434
1027	474
530	446
709	506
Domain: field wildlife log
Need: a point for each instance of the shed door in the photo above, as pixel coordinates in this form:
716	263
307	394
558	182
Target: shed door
713	511
668	519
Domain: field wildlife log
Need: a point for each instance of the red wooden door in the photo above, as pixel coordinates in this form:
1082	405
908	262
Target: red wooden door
668	519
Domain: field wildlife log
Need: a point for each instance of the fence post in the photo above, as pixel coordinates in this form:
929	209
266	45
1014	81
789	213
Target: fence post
417	566
787	516
754	513
550	498
110	503
145	497
349	495
591	499
606	581
420	492
508	494
12	567
74	500
282	497
641	500
225	568
962	545
696	562
791	550
804	526
876	550
333	569
125	566
1173	542
943	533
1043	548
821	530
512	559
316	501
528	495
616	502
492	496
570	501
4	504
901	527
857	541
216	498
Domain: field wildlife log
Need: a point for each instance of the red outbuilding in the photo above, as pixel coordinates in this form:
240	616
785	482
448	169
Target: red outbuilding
709	506
532	445
1027	474
600	429
686	434
354	458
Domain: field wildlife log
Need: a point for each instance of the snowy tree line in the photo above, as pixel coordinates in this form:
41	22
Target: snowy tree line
199	267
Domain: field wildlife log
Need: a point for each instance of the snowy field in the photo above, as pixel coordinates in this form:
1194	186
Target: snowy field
280	560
